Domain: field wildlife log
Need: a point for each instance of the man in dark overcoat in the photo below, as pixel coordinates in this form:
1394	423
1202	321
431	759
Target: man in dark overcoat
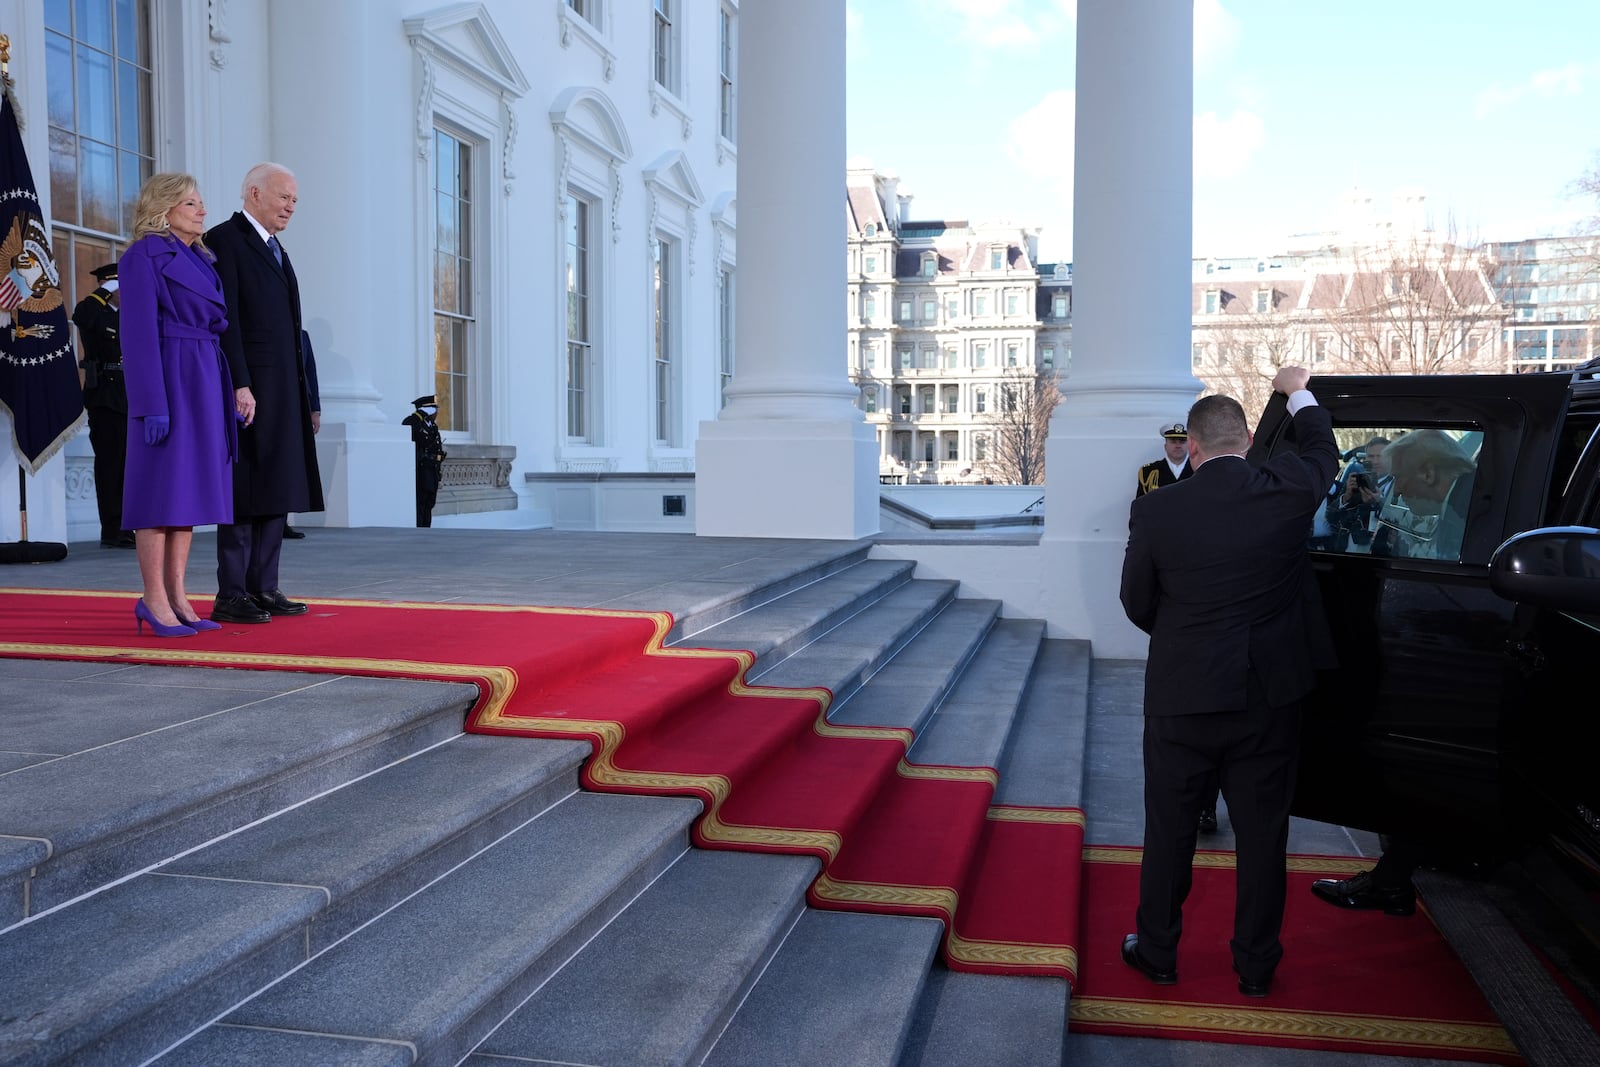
277	469
105	398
1217	573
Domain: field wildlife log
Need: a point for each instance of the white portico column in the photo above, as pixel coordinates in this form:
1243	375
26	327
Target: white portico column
340	238
1132	240
791	455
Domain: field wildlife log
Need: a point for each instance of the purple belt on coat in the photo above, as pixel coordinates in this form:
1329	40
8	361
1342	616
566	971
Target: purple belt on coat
183	331
175	331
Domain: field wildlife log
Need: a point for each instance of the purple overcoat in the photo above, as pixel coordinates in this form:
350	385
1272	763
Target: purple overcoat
173	315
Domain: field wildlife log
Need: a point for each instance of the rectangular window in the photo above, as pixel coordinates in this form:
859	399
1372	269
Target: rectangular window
930	266
1319	350
905	357
951	358
98	113
869	308
980	402
871	357
952	308
725	332
869	397
930	310
1212	301
980	304
952	401
1047	357
905	311
454	317
1011	303
1263	301
997	259
925	400
980	355
980	447
580	316
930	359
1058	307
727	55
665	46
872	265
952	448
1197	354
666	322
1013	355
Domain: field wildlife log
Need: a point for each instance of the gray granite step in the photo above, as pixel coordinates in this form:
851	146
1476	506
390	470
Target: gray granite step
659	984
378	840
712	597
232	756
868	645
116	978
442	969
965	1019
775	630
842	990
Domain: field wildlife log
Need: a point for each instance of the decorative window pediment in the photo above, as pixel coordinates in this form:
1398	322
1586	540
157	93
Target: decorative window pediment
465	37
591	120
671	174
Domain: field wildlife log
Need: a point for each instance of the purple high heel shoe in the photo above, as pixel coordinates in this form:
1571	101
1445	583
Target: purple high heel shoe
199	624
142	615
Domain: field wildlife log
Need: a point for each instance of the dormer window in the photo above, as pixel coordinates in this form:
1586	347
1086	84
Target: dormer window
1213	301
871	229
930	265
997	259
1263	301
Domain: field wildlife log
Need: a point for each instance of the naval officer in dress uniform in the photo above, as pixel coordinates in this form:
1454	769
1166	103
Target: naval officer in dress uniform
1174	467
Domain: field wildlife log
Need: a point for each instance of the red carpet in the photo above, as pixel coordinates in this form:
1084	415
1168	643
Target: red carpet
774	774
1350	981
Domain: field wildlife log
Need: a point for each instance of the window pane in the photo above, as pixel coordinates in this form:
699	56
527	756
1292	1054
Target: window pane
444	281
464	293
96	96
130	30
58	78
94	23
134	172
63	176
101	208
464	223
58	15
445	213
130	107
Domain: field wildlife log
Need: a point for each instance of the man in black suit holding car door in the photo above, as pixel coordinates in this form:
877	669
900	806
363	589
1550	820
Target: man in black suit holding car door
1216	572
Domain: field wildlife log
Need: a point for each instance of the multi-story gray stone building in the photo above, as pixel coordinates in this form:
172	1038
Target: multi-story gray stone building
945	317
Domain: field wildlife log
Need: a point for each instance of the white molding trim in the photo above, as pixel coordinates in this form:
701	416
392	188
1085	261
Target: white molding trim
572	25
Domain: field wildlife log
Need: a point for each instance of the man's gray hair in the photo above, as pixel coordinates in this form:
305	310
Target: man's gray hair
258	175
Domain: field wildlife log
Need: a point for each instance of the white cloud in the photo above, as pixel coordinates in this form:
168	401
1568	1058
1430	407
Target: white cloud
1041	138
1010	23
1216	32
1223	146
1544	84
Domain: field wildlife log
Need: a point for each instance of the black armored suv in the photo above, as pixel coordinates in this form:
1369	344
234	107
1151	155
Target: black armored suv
1458	559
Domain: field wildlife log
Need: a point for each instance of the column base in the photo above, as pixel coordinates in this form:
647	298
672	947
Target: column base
786	478
368	475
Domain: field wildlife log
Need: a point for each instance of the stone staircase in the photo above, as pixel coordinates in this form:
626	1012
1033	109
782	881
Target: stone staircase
324	870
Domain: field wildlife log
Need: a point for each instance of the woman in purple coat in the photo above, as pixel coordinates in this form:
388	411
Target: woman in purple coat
182	439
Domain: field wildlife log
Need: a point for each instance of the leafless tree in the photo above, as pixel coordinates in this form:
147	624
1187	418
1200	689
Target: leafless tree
1418	303
1020	426
1241	353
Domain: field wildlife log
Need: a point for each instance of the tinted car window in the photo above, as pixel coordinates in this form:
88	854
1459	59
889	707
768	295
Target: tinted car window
1403	492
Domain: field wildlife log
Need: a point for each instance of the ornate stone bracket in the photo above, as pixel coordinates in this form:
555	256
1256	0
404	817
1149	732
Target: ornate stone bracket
217	29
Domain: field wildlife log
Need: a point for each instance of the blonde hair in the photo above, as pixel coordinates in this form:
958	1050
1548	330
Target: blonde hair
159	195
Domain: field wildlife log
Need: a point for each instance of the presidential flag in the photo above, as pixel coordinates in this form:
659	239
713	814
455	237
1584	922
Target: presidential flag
38	368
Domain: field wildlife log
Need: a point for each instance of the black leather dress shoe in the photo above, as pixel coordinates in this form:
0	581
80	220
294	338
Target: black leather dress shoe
237	609
290	533
275	603
1253	988
1130	956
1360	891
1208	820
122	540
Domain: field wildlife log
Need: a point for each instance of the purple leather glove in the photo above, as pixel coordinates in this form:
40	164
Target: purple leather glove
156	428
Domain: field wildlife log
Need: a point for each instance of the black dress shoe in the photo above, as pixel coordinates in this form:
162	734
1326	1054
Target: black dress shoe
1208	820
275	603
1253	988
237	609
122	540
290	533
1130	956
1362	892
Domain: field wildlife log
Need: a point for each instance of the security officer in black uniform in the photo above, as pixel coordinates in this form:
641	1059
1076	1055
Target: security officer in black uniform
106	399
430	455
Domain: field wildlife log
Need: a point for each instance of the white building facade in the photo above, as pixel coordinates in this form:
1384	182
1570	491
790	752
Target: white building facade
525	208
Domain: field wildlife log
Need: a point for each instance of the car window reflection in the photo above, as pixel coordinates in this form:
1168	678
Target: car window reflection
1402	492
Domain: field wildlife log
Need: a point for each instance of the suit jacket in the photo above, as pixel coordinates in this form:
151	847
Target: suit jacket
277	470
1153	476
1216	572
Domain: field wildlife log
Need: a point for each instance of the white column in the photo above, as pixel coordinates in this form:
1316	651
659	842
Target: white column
791	455
342	235
1132	240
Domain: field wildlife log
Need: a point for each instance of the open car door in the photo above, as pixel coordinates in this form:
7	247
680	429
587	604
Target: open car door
1407	734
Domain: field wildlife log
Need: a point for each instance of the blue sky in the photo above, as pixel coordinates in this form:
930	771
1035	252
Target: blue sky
1490	109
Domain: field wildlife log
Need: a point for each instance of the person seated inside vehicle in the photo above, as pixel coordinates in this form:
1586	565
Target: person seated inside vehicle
1433	481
